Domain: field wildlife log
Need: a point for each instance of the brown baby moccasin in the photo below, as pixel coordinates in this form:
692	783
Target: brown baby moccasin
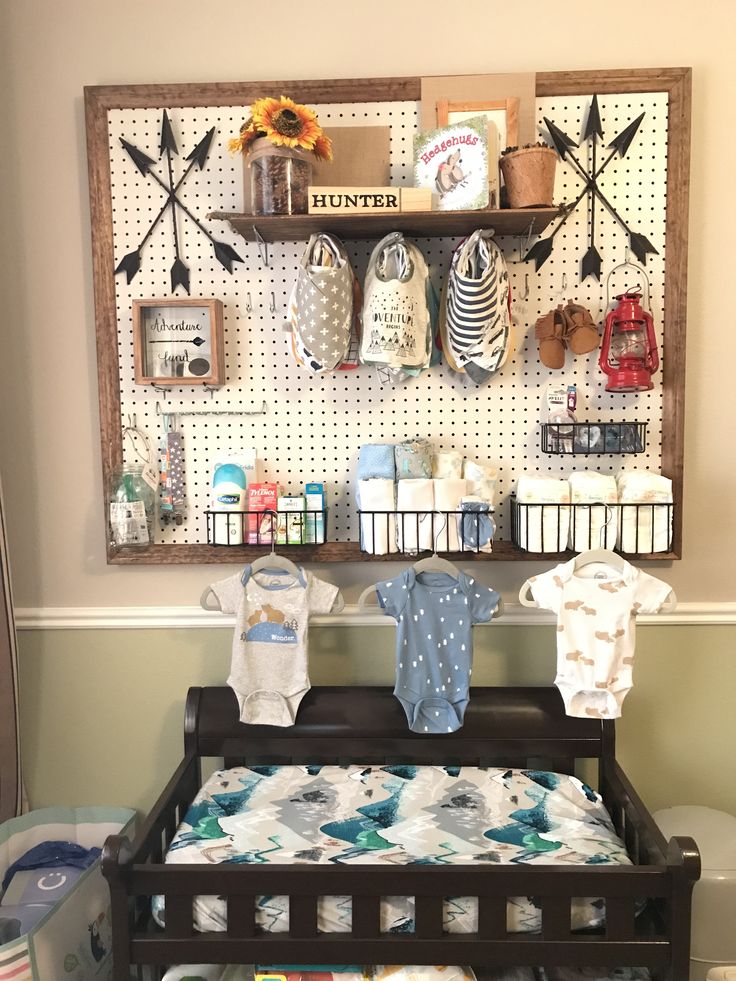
581	332
550	333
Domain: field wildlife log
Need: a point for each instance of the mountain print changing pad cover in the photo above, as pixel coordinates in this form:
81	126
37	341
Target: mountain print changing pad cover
396	815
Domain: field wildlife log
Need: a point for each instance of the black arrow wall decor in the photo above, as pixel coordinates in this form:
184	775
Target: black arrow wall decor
593	131
224	253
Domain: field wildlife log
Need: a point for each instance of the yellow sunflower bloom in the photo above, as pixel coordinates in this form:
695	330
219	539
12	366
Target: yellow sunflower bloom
285	123
323	148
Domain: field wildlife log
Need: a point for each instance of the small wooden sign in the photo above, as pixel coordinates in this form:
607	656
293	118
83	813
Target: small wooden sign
353	200
178	342
418	199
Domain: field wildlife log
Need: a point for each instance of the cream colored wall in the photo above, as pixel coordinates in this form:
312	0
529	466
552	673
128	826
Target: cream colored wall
76	684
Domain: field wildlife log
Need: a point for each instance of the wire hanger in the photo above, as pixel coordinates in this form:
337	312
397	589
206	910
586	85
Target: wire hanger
433	563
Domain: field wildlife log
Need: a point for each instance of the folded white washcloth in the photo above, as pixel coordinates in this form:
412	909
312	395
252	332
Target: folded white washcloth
448	492
378	531
414	531
596	525
646	512
545	528
482	480
447	463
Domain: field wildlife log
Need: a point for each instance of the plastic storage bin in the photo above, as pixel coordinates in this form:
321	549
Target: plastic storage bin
713	935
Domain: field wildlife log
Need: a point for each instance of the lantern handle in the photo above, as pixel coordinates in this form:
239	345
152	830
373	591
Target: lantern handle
632	265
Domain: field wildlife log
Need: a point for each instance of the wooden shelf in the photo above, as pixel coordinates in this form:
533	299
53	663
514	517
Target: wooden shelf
330	552
418	224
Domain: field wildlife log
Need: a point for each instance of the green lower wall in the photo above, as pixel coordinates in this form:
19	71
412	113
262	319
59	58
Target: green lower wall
102	710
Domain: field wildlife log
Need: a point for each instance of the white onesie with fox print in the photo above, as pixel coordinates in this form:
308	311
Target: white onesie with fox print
596	609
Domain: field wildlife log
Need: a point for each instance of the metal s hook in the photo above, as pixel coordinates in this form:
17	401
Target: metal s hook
272	305
564	282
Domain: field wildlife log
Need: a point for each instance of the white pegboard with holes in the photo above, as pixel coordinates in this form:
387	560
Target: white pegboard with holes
313	427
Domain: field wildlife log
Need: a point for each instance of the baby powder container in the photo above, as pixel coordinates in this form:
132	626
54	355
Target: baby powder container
713	938
226	518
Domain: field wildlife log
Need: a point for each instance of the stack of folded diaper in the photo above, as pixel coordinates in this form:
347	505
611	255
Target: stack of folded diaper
646	512
439	501
594	524
543	526
376	494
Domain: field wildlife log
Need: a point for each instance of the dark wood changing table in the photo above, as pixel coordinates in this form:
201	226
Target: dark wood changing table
510	727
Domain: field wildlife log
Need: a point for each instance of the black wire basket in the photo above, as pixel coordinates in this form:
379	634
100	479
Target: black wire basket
230	528
413	532
585	438
631	529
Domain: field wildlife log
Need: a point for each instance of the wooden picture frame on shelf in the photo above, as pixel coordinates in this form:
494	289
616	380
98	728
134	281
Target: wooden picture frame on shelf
504	113
178	342
503	130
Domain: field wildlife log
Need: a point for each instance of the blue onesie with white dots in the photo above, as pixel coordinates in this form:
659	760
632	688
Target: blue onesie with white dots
434	649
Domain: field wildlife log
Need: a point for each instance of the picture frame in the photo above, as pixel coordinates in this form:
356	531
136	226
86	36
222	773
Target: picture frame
504	113
503	130
178	342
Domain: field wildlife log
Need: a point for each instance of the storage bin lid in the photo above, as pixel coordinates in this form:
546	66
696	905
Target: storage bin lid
714	832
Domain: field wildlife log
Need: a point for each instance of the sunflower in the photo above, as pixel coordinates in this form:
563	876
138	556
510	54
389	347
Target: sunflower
285	123
241	143
323	148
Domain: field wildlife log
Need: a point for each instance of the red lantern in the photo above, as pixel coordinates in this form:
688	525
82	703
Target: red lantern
629	349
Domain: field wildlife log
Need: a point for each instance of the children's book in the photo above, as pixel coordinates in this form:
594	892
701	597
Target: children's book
453	161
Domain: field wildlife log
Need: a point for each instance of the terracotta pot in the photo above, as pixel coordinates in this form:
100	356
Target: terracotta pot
529	175
279	178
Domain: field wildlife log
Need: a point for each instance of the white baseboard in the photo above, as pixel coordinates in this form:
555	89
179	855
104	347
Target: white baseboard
183	617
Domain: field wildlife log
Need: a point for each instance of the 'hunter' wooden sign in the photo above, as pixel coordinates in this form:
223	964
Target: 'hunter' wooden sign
353	200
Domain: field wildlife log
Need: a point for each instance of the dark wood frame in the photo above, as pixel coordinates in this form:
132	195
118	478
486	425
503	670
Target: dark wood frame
676	82
515	727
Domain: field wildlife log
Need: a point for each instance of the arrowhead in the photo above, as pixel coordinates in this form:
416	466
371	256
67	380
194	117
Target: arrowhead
167	136
623	141
561	140
640	246
179	276
139	158
199	153
540	252
591	264
593	123
129	264
226	255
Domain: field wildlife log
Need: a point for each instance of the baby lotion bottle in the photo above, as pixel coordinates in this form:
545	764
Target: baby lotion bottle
227	504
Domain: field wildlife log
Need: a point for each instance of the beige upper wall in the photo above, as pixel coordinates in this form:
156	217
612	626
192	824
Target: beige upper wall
48	398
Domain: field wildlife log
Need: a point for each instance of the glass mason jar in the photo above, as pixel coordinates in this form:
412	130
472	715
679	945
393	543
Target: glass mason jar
132	506
279	179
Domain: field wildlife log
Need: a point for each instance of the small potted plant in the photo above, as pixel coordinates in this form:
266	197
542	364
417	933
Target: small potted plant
529	175
278	142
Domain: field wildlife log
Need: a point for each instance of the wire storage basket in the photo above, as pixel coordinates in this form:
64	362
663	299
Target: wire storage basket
631	529
412	532
585	438
230	528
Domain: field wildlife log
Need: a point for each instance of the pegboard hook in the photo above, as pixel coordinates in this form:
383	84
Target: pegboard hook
564	281
272	306
526	240
262	246
525	294
248	304
159	388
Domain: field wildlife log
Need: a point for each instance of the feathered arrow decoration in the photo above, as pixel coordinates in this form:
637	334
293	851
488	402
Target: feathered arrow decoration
563	144
224	253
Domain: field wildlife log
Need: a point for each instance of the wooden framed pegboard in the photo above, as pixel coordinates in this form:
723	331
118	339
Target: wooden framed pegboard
313	426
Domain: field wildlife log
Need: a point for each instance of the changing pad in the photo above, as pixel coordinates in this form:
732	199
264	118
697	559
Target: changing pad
397	815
